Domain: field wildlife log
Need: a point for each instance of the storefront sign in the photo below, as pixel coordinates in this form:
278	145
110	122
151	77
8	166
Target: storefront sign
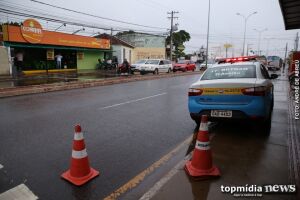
32	31
50	54
80	55
15	34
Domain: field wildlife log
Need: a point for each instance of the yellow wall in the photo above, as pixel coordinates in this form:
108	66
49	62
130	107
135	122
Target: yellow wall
139	53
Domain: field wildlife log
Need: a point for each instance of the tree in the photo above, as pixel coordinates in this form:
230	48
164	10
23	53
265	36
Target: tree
124	33
179	38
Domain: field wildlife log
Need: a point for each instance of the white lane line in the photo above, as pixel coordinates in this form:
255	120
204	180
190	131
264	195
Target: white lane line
132	101
158	185
1	166
20	192
163	181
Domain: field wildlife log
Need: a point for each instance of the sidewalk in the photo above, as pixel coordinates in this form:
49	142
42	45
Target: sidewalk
58	82
242	163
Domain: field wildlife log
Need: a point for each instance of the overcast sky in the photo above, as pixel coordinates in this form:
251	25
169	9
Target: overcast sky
225	25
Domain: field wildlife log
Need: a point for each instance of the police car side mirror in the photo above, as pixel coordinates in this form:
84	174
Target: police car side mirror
274	76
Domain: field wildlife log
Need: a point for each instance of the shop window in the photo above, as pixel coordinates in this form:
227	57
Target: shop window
36	58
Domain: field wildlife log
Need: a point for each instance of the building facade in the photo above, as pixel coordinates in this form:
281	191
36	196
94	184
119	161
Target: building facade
145	45
120	48
31	49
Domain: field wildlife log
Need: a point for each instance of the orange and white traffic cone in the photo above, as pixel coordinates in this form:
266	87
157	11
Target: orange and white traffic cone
201	167
80	171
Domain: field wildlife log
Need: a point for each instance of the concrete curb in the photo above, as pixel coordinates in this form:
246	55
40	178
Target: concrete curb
23	90
293	143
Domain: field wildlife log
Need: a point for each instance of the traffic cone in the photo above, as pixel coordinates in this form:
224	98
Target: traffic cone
201	167
80	171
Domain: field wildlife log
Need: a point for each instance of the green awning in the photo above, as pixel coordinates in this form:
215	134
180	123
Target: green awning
38	46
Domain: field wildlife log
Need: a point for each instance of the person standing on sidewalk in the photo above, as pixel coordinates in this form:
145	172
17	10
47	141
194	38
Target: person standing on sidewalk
58	60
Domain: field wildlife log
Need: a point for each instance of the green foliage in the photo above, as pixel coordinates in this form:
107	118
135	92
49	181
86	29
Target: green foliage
179	38
124	33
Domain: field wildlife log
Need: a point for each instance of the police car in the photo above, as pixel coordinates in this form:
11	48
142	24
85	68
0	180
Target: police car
236	88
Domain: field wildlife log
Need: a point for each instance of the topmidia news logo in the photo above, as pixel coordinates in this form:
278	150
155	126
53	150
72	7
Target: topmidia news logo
258	190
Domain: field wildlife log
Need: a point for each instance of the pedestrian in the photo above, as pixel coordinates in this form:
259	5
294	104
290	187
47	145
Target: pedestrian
115	62
126	66
100	63
58	60
19	61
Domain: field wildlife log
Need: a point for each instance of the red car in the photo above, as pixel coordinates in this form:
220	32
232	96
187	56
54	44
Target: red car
184	65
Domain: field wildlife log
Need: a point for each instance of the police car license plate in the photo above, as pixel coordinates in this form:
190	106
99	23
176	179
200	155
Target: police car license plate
221	113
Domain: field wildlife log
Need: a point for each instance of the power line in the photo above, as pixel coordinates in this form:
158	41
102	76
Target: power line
87	14
61	21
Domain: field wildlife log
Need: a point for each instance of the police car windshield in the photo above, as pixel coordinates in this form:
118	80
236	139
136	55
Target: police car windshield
230	72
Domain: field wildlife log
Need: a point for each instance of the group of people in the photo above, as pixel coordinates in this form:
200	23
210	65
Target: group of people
107	64
123	69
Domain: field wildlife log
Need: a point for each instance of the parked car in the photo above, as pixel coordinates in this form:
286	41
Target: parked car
274	62
210	62
135	67
233	90
184	65
262	59
155	66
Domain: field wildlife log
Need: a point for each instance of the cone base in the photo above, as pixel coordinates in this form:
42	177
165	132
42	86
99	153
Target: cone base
200	174
82	180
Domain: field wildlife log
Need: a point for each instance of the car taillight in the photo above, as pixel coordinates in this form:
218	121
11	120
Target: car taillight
195	92
255	91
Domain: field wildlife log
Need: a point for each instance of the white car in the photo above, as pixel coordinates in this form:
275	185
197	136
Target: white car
209	64
135	67
155	66
236	89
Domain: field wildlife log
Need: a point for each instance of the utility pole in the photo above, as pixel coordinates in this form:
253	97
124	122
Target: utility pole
284	63
110	41
171	31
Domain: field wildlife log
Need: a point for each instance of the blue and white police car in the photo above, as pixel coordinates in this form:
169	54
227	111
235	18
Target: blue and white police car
237	88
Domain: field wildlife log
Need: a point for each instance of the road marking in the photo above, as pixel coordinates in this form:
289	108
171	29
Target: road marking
132	101
1	166
20	192
141	176
158	185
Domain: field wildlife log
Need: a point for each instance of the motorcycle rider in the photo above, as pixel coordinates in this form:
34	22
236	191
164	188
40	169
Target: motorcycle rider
126	66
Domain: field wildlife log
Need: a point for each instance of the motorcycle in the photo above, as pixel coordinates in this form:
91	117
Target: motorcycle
123	70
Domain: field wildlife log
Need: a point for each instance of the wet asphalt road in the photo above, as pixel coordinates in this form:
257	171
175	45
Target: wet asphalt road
127	128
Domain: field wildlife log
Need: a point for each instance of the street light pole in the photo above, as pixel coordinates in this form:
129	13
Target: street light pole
245	28
207	38
259	38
